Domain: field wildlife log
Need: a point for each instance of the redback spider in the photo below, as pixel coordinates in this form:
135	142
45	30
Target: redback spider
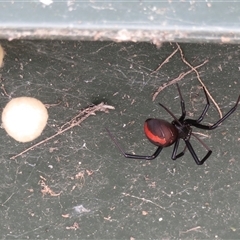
163	134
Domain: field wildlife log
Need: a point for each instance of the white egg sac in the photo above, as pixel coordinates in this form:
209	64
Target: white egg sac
24	118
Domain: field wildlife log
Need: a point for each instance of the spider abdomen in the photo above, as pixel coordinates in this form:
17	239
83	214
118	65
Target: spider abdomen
160	132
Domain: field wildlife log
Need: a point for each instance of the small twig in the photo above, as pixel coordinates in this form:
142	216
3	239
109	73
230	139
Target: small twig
75	226
8	199
175	80
144	200
4	90
199	79
191	229
48	105
83	115
165	61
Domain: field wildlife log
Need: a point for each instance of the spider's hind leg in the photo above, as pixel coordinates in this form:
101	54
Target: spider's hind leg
134	156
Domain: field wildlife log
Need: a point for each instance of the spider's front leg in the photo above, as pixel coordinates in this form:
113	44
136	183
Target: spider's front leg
196	124
205	108
182	104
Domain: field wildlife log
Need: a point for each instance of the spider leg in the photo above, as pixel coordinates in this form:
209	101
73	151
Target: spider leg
174	154
133	156
182	104
205	108
184	110
215	125
194	155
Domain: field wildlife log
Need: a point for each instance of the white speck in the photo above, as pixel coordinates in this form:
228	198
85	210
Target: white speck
50	166
160	219
84	146
32	165
151	18
80	209
46	2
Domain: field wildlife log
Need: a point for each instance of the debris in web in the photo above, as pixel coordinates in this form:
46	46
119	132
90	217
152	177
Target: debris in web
75	226
199	79
80	209
190	230
165	61
147	201
46	189
75	121
182	75
175	80
144	200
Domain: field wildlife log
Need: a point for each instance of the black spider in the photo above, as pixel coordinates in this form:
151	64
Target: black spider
163	134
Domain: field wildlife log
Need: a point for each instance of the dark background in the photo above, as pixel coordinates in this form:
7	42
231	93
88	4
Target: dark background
100	194
78	185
